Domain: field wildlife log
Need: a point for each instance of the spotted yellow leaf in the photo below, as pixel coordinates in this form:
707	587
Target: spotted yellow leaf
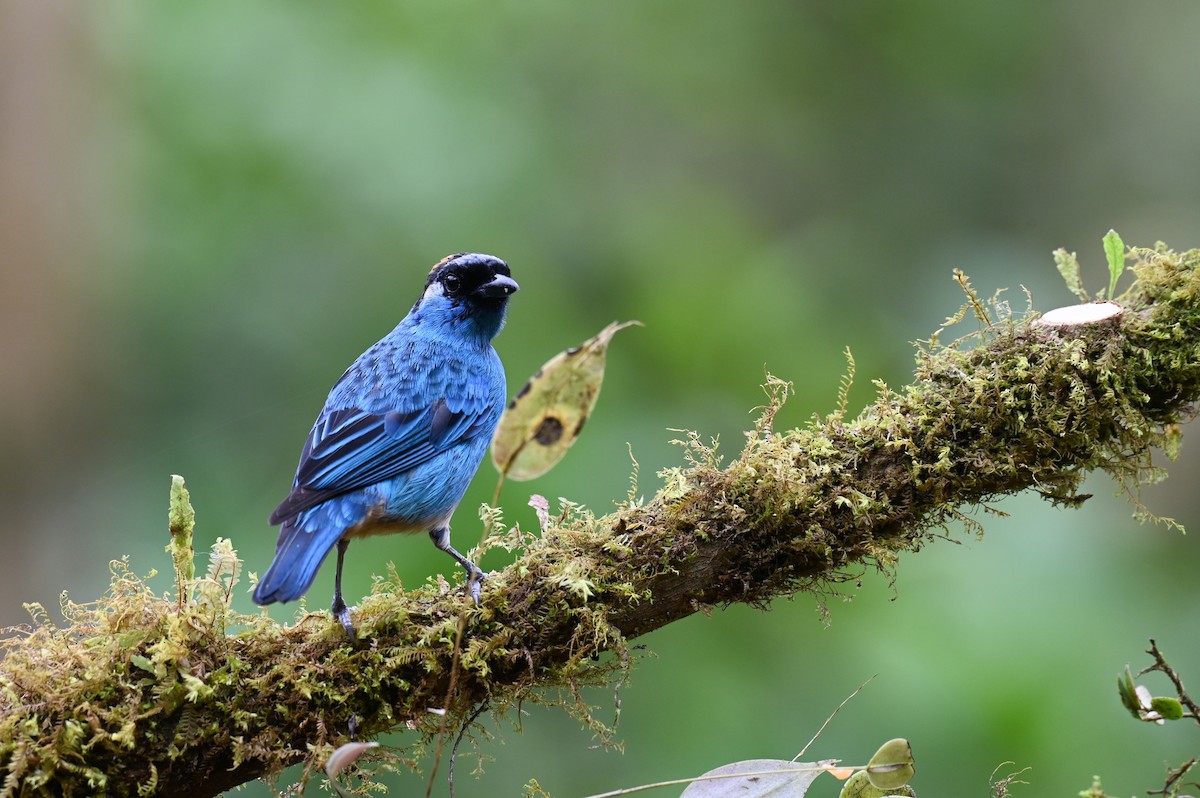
547	415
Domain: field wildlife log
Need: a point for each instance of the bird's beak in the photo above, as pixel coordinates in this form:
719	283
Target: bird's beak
500	286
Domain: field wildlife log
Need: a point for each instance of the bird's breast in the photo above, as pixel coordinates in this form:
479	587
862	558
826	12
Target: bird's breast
383	526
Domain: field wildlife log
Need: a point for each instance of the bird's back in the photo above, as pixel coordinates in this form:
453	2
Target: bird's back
403	403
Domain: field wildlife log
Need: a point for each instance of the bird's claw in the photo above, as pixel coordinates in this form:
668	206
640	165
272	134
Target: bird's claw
475	584
342	613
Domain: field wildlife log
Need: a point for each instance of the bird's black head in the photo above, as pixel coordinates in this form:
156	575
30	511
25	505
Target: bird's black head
468	288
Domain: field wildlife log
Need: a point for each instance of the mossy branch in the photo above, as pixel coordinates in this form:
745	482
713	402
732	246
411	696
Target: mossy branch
148	695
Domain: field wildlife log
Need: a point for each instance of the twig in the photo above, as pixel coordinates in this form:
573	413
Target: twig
1161	664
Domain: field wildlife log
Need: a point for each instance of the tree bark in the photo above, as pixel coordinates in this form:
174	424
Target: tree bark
139	694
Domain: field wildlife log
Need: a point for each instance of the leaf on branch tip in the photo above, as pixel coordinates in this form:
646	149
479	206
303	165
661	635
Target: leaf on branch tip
1128	692
546	416
1168	708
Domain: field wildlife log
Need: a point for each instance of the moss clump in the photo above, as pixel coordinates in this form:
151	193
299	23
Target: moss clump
1015	406
139	694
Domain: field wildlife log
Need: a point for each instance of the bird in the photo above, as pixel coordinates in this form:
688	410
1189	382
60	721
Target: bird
402	433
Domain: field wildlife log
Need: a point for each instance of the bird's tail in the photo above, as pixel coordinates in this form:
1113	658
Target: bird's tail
298	555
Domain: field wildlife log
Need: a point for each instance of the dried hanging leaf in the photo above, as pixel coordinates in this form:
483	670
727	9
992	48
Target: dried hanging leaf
756	778
345	756
546	416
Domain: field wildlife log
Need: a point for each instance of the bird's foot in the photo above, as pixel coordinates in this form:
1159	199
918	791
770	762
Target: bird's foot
475	579
342	613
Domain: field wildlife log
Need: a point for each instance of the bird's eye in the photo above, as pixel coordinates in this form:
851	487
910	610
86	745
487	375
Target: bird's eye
451	283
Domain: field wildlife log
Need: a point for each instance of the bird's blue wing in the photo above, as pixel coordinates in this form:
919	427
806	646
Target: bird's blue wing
350	448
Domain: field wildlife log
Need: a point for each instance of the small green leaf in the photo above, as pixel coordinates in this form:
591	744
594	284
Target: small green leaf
145	664
132	638
1128	692
546	416
1068	266
892	765
1168	707
1114	250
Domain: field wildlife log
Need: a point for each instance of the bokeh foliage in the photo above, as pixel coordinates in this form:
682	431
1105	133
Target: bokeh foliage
229	201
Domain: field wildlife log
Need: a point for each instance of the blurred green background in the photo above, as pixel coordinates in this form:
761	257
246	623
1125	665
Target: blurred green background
207	210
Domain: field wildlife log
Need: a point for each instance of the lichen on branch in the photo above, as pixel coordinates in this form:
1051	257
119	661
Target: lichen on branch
139	694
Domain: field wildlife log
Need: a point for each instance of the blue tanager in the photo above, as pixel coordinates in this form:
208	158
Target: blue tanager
401	434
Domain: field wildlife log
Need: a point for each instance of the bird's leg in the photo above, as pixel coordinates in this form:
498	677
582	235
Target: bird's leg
441	539
340	610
